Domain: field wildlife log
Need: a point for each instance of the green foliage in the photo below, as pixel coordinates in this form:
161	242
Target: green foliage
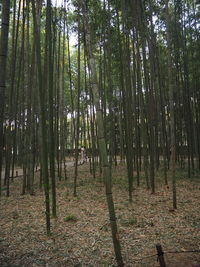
70	218
121	182
3	189
196	223
130	221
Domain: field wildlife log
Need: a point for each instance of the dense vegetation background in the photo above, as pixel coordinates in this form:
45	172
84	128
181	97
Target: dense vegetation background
119	78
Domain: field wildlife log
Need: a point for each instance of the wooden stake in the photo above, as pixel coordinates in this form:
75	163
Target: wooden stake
160	254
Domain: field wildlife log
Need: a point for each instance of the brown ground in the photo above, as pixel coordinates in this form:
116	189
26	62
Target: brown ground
86	240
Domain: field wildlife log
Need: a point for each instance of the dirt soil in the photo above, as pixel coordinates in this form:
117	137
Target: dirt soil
81	234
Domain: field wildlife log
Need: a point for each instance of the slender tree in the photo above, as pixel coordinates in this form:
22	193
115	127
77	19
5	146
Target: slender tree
171	99
43	120
78	105
101	137
49	84
3	61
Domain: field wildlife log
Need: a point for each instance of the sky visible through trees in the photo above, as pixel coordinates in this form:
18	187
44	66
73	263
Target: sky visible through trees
57	2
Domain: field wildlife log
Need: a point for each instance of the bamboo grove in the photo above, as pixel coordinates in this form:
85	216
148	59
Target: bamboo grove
128	91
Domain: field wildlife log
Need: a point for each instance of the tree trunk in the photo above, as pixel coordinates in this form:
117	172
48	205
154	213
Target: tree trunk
171	101
101	137
3	61
43	121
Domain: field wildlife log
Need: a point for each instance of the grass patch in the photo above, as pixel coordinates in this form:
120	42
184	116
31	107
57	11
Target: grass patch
70	218
196	223
129	221
121	182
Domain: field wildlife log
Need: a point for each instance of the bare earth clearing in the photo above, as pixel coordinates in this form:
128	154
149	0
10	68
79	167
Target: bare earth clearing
85	240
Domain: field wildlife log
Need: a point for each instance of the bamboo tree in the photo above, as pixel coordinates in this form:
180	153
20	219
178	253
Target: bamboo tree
49	84
171	99
3	62
143	115
78	106
101	137
20	95
13	98
43	120
31	80
70	85
109	75
11	95
63	117
126	103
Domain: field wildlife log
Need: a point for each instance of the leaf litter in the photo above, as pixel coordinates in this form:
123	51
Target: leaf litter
81	234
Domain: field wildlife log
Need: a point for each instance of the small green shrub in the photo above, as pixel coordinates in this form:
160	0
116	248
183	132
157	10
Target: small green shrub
132	221
70	218
129	221
196	223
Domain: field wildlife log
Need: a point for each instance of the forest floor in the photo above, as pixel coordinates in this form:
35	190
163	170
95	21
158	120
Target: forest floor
81	234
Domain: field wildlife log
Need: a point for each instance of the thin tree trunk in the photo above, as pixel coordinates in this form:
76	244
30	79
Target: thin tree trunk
43	121
101	138
50	87
171	100
3	61
78	107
